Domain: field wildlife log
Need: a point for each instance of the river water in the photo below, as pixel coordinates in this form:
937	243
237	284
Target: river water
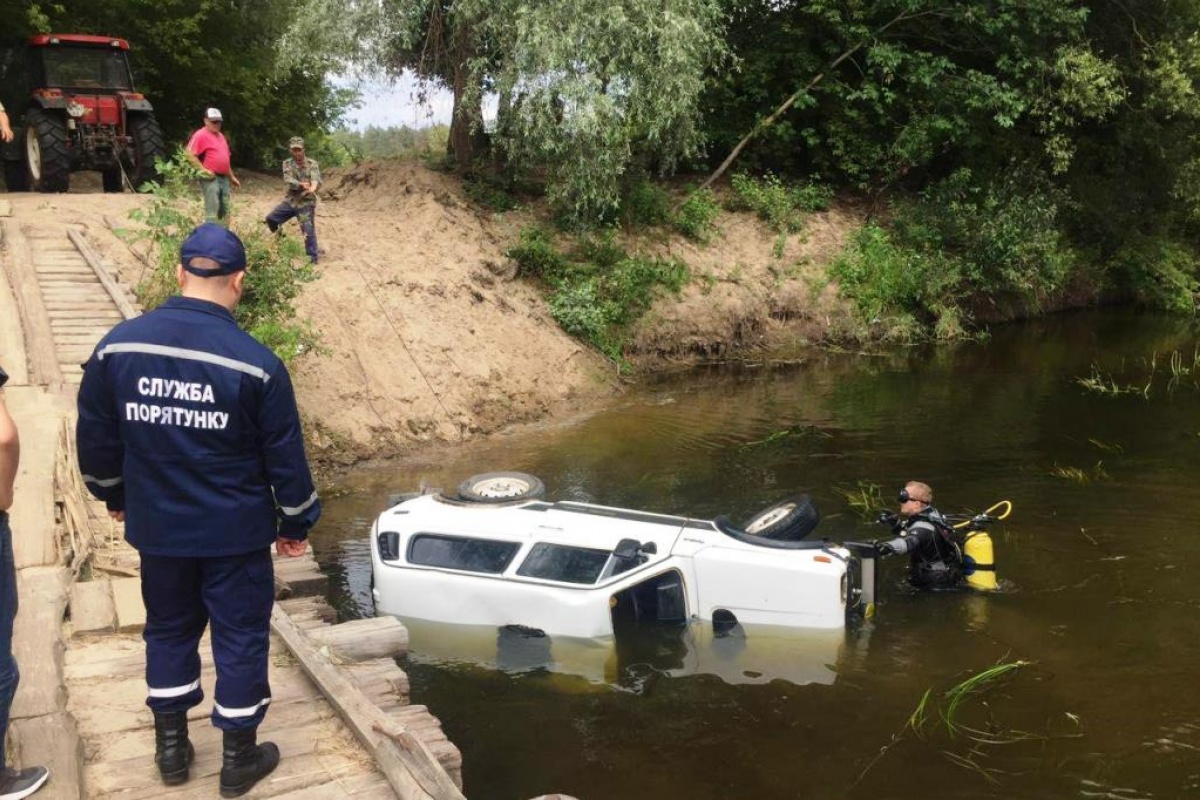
1098	600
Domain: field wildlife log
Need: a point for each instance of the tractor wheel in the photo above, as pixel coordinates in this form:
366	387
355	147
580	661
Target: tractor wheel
16	179
47	152
147	145
112	180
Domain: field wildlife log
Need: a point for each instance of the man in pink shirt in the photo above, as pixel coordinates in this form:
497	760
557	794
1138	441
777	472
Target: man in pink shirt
209	151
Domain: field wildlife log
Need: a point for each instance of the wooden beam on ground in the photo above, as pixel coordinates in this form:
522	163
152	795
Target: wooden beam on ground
39	343
34	517
363	639
410	768
114	291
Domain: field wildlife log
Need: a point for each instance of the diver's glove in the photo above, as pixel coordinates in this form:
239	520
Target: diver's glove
888	519
884	549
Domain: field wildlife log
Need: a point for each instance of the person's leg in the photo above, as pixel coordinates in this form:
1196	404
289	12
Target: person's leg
279	215
224	200
13	783
9	675
212	200
239	592
175	621
308	224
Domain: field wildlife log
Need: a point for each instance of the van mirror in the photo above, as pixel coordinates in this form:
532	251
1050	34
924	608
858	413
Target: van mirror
627	550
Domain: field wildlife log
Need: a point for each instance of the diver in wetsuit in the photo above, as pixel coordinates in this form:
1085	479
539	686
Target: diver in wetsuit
935	559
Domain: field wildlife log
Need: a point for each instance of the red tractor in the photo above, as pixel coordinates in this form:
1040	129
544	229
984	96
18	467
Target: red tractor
73	107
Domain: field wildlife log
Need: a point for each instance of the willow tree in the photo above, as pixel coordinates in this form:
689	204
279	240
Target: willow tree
584	86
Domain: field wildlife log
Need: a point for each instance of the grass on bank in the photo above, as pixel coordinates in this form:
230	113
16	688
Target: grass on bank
597	290
277	266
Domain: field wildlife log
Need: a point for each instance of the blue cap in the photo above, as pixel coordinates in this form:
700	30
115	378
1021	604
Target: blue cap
217	242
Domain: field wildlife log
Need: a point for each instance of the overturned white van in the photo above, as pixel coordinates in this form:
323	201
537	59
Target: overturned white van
496	554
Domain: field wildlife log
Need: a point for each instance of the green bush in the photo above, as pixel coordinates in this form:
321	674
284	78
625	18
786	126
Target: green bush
1160	273
490	191
957	243
536	256
276	266
646	204
602	249
781	206
600	291
695	217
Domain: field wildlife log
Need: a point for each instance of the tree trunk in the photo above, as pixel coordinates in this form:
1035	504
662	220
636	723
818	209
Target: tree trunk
461	145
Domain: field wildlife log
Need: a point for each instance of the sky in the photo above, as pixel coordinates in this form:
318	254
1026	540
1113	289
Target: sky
387	105
393	104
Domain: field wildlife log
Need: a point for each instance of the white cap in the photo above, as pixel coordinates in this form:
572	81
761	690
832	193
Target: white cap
213	113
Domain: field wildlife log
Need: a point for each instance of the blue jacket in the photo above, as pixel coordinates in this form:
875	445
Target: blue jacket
189	426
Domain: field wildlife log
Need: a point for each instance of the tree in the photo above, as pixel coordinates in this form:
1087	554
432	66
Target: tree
188	55
586	87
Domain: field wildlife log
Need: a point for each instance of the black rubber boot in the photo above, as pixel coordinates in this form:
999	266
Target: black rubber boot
245	762
173	753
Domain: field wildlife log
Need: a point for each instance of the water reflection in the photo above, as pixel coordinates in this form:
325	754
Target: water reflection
639	656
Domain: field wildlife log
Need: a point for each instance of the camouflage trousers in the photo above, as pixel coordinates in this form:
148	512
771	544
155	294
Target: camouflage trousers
307	217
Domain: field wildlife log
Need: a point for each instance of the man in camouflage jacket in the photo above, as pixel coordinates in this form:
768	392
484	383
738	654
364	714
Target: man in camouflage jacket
303	177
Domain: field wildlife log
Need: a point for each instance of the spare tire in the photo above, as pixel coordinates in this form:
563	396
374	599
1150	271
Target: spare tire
790	519
501	487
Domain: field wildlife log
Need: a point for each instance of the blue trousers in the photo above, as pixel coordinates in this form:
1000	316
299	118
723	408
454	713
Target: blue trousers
216	199
235	595
9	676
307	216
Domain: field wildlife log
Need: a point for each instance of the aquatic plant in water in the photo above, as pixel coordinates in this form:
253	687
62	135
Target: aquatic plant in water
788	434
945	711
866	498
1081	475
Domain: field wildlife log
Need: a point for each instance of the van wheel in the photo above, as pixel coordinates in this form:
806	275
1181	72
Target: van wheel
501	487
789	520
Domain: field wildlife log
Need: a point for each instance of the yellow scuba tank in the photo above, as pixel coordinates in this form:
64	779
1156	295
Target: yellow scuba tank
979	561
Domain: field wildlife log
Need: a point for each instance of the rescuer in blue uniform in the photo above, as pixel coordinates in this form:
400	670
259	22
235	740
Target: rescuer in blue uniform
188	431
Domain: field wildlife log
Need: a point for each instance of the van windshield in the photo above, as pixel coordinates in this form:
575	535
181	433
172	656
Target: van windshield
556	562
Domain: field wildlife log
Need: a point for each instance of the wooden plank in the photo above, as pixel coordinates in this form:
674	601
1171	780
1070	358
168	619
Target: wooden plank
36	644
362	639
114	291
127	600
51	741
110	318
92	607
409	767
43	366
61	271
84	278
298	748
78	305
38	415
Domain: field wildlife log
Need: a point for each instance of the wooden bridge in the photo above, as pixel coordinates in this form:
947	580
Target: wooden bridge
340	712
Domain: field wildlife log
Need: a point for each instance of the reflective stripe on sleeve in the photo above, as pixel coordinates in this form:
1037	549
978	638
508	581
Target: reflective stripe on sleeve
174	691
291	512
239	713
103	483
180	352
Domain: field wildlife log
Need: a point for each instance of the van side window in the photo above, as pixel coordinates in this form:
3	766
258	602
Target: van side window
556	562
454	552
